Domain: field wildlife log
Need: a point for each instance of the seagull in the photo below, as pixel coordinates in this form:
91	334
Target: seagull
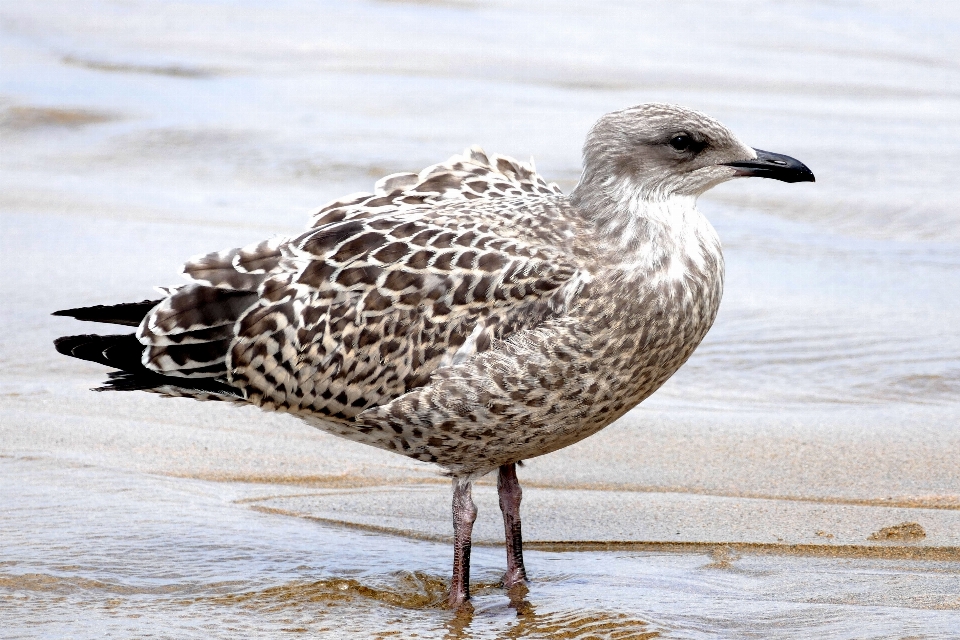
470	315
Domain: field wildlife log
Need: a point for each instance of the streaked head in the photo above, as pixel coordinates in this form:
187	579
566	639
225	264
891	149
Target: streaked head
661	150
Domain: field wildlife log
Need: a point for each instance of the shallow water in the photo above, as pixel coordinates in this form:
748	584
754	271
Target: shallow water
92	553
136	134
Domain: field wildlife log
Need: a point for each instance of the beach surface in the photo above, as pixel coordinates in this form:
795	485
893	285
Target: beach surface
797	478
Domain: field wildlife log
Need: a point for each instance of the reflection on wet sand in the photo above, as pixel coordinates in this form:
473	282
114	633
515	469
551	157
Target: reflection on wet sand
576	625
404	589
562	625
419	591
319	603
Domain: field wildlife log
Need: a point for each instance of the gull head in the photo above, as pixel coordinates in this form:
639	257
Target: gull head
657	151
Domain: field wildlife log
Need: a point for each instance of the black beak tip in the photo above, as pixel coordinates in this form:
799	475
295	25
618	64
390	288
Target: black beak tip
805	176
774	165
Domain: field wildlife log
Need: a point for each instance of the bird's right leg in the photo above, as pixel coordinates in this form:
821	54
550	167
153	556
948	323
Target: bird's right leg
464	514
510	495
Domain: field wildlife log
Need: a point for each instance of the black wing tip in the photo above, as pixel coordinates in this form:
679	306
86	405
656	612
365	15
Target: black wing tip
151	381
130	381
122	351
126	313
66	344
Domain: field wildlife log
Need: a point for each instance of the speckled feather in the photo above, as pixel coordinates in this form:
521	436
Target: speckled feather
469	315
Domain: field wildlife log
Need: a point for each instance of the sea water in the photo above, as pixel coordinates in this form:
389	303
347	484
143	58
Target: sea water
136	134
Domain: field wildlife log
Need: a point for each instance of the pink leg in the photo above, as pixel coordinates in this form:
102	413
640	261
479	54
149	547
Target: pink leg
464	514
510	496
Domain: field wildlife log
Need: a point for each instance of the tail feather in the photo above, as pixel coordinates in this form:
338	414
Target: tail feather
129	313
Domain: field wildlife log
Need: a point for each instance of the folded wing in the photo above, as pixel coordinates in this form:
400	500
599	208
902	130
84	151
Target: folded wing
383	289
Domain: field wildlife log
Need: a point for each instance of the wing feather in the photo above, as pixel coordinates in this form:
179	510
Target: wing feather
470	176
382	290
362	310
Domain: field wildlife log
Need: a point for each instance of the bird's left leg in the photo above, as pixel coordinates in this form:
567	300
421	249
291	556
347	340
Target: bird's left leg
510	495
464	514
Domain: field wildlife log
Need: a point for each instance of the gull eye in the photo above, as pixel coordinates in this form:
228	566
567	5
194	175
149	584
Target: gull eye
681	142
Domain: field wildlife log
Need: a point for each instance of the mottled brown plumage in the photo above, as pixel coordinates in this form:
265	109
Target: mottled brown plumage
470	315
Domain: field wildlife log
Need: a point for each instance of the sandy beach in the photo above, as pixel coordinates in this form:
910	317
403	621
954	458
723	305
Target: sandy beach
797	478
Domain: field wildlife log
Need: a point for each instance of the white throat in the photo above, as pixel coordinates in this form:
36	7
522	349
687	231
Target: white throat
666	237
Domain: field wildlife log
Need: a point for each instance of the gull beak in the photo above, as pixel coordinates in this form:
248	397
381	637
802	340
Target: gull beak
773	165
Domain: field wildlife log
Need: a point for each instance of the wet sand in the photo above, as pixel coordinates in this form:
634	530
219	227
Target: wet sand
751	485
797	478
191	519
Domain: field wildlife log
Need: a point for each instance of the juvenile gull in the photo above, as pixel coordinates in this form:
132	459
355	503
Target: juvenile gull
470	315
